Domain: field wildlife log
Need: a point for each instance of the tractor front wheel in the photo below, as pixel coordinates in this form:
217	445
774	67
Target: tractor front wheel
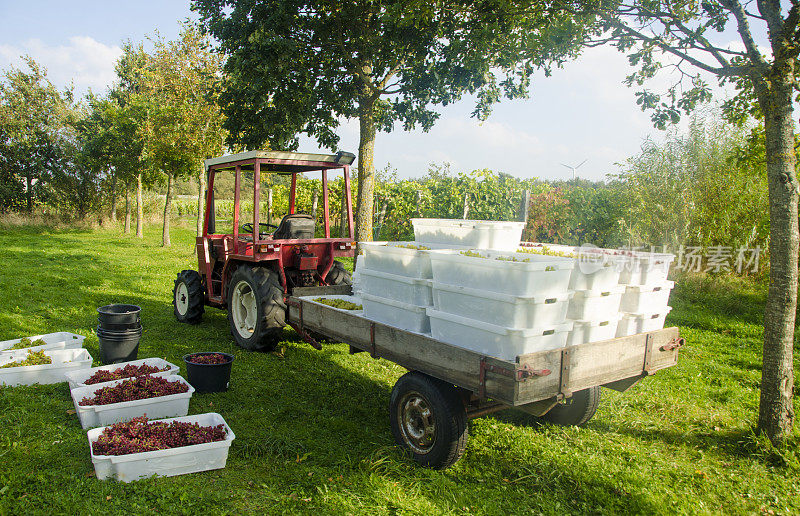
256	309
188	297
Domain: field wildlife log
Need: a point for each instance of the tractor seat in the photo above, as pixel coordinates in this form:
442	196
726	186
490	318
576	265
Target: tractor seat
295	225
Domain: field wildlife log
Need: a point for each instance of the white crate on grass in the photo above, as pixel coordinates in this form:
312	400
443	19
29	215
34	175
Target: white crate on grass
172	405
77	378
646	298
480	234
529	275
165	463
409	259
56	340
493	340
595	305
631	324
396	313
415	291
64	361
501	309
593	331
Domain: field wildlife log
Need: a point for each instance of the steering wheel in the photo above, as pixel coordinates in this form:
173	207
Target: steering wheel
247	227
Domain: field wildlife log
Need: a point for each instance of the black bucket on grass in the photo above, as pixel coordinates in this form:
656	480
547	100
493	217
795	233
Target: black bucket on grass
208	377
118	346
119	317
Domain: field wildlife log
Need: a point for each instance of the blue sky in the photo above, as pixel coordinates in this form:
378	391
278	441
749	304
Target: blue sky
582	112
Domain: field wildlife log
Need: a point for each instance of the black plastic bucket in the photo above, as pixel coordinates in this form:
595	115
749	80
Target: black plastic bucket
208	377
118	348
119	317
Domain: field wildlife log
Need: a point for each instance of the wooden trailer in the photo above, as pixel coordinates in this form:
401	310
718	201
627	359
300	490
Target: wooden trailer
446	384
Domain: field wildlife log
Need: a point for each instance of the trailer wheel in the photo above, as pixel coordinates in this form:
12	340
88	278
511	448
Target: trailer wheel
188	297
338	275
577	410
428	419
256	309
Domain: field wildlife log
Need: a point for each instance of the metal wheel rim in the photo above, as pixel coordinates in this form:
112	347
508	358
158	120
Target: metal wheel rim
244	309
417	424
182	298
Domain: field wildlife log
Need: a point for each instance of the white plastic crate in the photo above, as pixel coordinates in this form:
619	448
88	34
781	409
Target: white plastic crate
631	324
646	269
353	299
415	291
57	340
164	463
480	234
593	331
501	309
595	305
64	361
396	313
646	298
77	378
493	340
530	275
172	405
401	258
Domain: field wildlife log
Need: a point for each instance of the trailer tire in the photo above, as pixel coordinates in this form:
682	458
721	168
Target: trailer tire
428	420
576	410
188	297
338	275
256	308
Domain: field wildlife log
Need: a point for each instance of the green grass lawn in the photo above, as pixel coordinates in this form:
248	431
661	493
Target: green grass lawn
312	428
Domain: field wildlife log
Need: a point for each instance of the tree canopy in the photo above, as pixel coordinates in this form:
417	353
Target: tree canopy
297	66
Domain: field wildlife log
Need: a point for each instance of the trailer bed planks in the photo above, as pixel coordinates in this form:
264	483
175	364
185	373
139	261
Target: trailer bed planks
548	375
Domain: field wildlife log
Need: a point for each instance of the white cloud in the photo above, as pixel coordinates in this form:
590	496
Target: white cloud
83	61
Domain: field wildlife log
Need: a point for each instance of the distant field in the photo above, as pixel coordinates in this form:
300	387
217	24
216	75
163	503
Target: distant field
312	428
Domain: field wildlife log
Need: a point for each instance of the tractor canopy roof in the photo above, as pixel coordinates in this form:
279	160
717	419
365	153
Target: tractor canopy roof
280	162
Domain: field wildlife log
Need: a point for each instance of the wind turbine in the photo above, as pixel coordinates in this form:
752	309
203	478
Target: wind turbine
574	168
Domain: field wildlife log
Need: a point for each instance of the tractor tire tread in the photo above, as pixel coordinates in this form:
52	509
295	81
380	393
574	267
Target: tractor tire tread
196	291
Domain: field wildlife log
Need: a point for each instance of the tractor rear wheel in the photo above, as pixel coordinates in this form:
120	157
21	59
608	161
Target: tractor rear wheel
188	297
338	275
256	309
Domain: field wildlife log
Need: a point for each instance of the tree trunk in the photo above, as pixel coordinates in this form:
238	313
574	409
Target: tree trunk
165	230
201	188
114	199
139	208
366	170
314	204
127	210
466	205
776	413
29	181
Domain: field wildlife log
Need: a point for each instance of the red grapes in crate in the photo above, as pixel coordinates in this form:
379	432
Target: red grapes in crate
139	388
207	358
123	372
137	435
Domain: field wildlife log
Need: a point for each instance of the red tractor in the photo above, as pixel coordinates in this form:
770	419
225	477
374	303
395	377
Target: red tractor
254	270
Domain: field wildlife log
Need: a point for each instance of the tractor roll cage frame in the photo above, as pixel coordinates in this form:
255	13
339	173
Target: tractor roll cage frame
266	249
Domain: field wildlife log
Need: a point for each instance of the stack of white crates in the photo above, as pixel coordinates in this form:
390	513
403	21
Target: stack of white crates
617	292
500	304
462	282
394	283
